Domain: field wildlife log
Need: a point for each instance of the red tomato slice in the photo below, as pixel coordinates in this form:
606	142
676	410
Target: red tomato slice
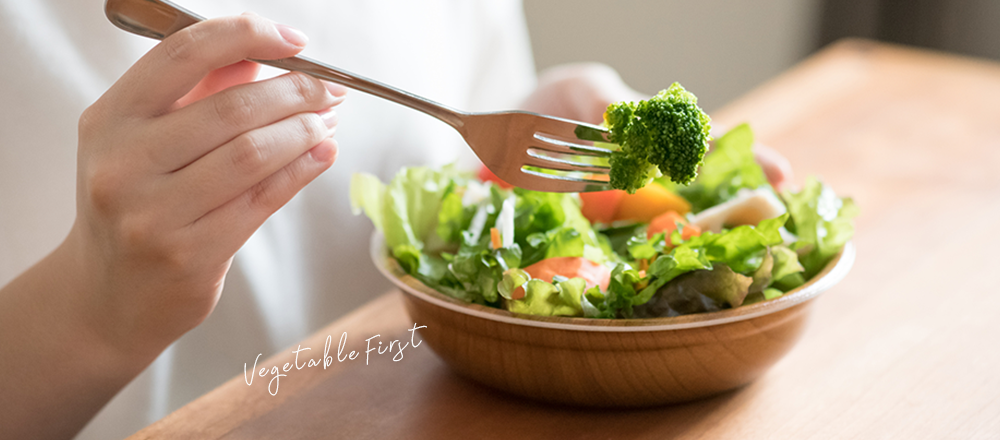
667	223
486	175
571	267
601	206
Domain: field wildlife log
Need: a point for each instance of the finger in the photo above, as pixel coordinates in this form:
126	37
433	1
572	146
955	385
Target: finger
231	169
172	68
776	167
220	79
202	126
244	214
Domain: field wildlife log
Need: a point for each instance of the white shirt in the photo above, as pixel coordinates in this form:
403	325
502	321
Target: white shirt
309	263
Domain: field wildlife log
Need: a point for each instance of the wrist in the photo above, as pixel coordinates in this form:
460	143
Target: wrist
101	322
63	363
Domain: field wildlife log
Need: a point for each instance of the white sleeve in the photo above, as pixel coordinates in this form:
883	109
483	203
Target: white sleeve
506	69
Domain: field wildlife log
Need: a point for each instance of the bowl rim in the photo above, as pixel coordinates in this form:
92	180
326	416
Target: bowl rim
833	273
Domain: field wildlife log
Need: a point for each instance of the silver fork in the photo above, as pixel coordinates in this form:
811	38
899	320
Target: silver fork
525	149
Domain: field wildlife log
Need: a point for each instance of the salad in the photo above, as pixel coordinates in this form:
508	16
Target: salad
726	240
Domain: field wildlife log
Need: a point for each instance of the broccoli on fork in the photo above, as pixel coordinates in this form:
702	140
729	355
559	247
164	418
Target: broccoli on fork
666	134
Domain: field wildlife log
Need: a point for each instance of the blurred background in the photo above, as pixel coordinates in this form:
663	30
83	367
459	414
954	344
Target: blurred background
661	41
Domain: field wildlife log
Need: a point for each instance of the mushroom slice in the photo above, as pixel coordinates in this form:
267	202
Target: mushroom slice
749	207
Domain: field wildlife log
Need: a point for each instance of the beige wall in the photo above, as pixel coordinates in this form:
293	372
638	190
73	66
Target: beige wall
972	27
717	49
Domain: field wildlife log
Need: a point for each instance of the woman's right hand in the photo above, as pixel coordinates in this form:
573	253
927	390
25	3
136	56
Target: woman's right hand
179	163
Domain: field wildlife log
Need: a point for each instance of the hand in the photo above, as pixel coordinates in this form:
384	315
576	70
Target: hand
583	91
579	91
179	164
776	167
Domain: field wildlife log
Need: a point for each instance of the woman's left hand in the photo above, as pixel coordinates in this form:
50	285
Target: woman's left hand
580	92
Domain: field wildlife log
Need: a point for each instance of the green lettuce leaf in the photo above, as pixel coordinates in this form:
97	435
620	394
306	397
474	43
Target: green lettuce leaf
786	262
640	247
762	276
822	222
621	291
721	285
548	225
787	273
407	209
741	248
681	260
367	195
740	251
453	218
545	299
729	167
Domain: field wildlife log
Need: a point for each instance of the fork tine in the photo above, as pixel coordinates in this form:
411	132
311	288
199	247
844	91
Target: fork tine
568	129
552	163
558	146
536	181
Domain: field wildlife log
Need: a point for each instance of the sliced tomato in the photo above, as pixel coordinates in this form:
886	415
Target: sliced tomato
571	267
486	175
667	223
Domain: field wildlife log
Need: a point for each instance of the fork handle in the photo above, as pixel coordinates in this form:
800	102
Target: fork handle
325	71
160	18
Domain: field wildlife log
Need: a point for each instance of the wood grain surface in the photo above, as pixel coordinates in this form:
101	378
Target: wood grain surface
905	347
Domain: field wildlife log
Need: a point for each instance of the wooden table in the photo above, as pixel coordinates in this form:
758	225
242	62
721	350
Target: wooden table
906	347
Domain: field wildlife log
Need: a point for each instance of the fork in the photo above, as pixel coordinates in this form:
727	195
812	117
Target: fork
524	149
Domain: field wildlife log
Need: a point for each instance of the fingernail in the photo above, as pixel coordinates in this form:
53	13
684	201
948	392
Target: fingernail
292	35
335	89
330	118
324	152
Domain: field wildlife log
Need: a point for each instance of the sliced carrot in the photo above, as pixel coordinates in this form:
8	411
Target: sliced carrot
495	238
643	283
601	206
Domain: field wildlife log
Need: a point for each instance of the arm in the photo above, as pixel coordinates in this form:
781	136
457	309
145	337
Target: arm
178	164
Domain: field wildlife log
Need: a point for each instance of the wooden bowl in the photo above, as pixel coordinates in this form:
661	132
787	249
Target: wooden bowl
610	363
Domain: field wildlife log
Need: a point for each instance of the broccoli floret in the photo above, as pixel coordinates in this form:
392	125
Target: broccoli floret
666	134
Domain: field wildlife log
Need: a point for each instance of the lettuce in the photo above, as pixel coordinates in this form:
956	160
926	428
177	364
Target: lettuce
642	248
763	275
621	292
407	209
548	225
423	212
822	222
741	248
437	225
453	218
728	168
706	290
367	195
728	262
787	273
545	299
479	269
